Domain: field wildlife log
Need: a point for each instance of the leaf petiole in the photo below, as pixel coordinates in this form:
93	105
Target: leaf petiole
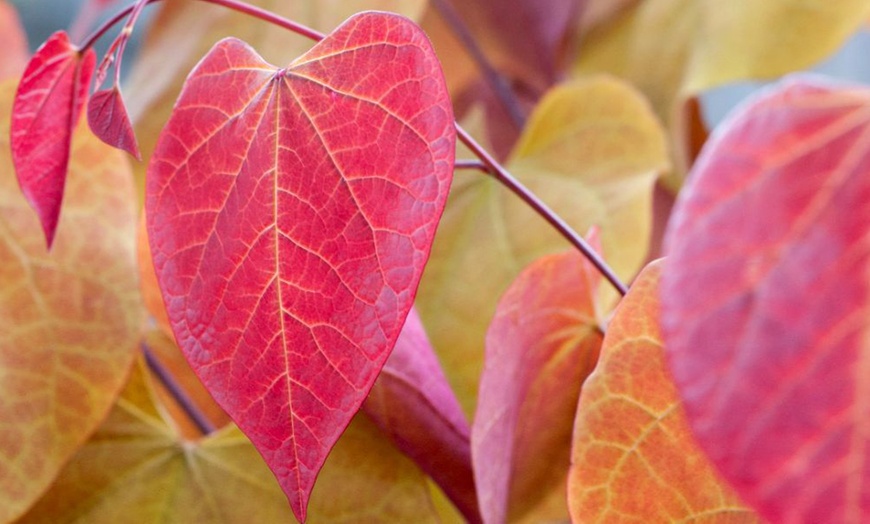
497	171
242	7
202	423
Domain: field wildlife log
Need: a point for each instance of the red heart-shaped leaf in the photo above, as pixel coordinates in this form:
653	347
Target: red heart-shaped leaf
290	213
47	107
765	298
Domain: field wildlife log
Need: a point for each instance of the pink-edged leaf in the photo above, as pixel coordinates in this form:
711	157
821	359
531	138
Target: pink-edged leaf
541	345
47	107
108	119
765	298
413	404
290	214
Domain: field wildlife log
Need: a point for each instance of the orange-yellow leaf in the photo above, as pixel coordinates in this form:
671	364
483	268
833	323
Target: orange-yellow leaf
137	470
634	458
70	320
541	345
592	150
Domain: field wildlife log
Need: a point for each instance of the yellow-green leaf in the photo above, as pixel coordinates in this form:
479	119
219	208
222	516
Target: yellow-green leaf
673	49
137	469
70	319
592	150
634	458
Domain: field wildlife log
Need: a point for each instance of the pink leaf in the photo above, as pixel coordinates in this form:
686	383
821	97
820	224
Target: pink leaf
413	404
107	117
765	300
290	213
541	345
46	109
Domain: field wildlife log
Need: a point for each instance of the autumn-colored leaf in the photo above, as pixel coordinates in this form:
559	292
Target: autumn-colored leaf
13	42
69	320
674	49
290	222
541	345
764	301
517	71
599	12
136	470
180	33
413	404
633	457
47	107
592	151
107	116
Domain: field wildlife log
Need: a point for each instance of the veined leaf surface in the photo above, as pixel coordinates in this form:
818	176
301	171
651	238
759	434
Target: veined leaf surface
181	33
47	107
290	214
137	470
70	319
540	346
633	457
592	151
765	298
107	116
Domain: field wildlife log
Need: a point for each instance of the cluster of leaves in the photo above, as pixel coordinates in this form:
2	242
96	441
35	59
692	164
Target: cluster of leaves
267	315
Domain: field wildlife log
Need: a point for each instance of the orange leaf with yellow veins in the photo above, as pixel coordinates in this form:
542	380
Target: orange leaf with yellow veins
70	320
592	150
137	470
634	458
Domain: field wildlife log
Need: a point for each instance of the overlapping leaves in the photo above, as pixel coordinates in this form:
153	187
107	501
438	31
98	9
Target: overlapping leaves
633	455
49	101
288	270
674	49
592	151
69	319
136	469
540	346
764	301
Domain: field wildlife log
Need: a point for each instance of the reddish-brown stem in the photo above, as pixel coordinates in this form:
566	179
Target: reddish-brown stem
470	164
494	169
202	423
235	5
496	81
